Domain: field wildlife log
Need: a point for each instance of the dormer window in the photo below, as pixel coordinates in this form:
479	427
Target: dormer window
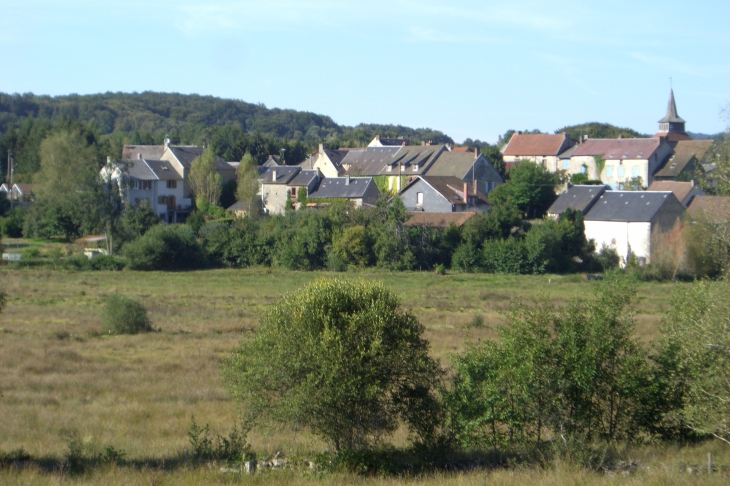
626	154
389	168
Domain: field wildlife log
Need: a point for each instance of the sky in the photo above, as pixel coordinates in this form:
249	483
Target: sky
472	69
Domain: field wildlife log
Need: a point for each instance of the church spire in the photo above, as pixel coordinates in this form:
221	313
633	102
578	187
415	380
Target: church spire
671	116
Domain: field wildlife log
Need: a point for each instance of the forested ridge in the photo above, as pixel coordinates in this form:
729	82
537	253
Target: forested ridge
231	127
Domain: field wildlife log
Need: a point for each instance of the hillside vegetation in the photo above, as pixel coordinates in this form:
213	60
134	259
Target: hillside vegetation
230	126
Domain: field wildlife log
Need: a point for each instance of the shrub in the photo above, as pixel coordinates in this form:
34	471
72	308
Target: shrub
122	315
30	253
340	358
106	262
204	447
165	247
78	261
12	224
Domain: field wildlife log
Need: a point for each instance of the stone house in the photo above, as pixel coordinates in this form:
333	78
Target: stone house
358	190
279	185
578	197
543	149
470	167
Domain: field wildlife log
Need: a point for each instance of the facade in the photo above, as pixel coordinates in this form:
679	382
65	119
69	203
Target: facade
623	159
626	221
280	184
328	162
152	182
442	194
543	149
470	167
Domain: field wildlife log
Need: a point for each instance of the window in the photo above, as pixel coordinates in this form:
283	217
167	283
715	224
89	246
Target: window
389	168
613	186
582	169
635	171
620	170
134	184
160	199
620	186
609	171
293	192
419	199
171	184
566	164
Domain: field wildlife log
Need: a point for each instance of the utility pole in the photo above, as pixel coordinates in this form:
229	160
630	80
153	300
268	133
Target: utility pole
11	170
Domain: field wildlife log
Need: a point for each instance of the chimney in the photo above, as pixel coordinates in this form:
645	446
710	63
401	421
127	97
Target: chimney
108	159
167	142
403	143
273	176
377	137
519	132
347	180
423	143
321	148
466	192
476	153
585	137
139	156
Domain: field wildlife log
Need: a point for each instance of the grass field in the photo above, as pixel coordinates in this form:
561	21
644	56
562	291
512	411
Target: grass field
59	375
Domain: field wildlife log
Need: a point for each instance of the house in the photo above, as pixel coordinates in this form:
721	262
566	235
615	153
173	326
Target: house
683	191
328	162
182	156
241	208
578	197
438	220
153	182
280	184
686	162
442	194
470	167
392	165
152	152
626	220
22	192
359	190
272	161
616	161
543	149
713	208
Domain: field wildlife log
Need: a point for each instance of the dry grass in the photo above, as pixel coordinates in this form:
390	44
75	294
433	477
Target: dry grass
138	393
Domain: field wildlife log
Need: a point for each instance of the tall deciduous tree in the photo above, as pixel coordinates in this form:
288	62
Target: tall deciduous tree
340	358
205	182
248	182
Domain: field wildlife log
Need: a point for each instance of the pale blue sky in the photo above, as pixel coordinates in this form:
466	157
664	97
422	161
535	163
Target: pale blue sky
468	68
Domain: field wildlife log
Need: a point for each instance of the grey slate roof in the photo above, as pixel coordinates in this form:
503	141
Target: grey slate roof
375	160
303	178
284	174
628	206
580	198
150	170
674	165
672	116
455	164
153	152
187	153
338	188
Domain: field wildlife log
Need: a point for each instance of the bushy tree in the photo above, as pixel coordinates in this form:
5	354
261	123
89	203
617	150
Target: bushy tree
165	247
696	332
529	186
576	371
340	358
248	183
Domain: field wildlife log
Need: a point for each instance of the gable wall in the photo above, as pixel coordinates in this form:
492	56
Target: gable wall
433	201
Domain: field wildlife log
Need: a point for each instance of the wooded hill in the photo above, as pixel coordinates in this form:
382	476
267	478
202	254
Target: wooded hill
149	117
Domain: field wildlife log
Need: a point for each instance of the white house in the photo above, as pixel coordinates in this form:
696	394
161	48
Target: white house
626	220
153	182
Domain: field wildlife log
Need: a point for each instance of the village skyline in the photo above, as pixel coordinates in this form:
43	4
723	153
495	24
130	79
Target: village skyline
471	70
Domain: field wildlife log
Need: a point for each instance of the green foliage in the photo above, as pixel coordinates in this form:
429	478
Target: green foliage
30	253
205	182
513	256
579	178
600	165
529	186
135	221
695	334
341	359
352	246
218	448
165	247
607	258
575	371
122	315
599	130
73	461
107	262
12	224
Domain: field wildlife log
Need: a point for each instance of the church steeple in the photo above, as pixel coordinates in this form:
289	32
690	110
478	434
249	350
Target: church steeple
672	126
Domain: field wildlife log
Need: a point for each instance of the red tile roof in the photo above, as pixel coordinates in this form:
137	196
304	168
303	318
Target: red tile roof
618	148
534	144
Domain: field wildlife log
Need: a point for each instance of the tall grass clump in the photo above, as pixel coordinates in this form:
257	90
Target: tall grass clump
122	315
